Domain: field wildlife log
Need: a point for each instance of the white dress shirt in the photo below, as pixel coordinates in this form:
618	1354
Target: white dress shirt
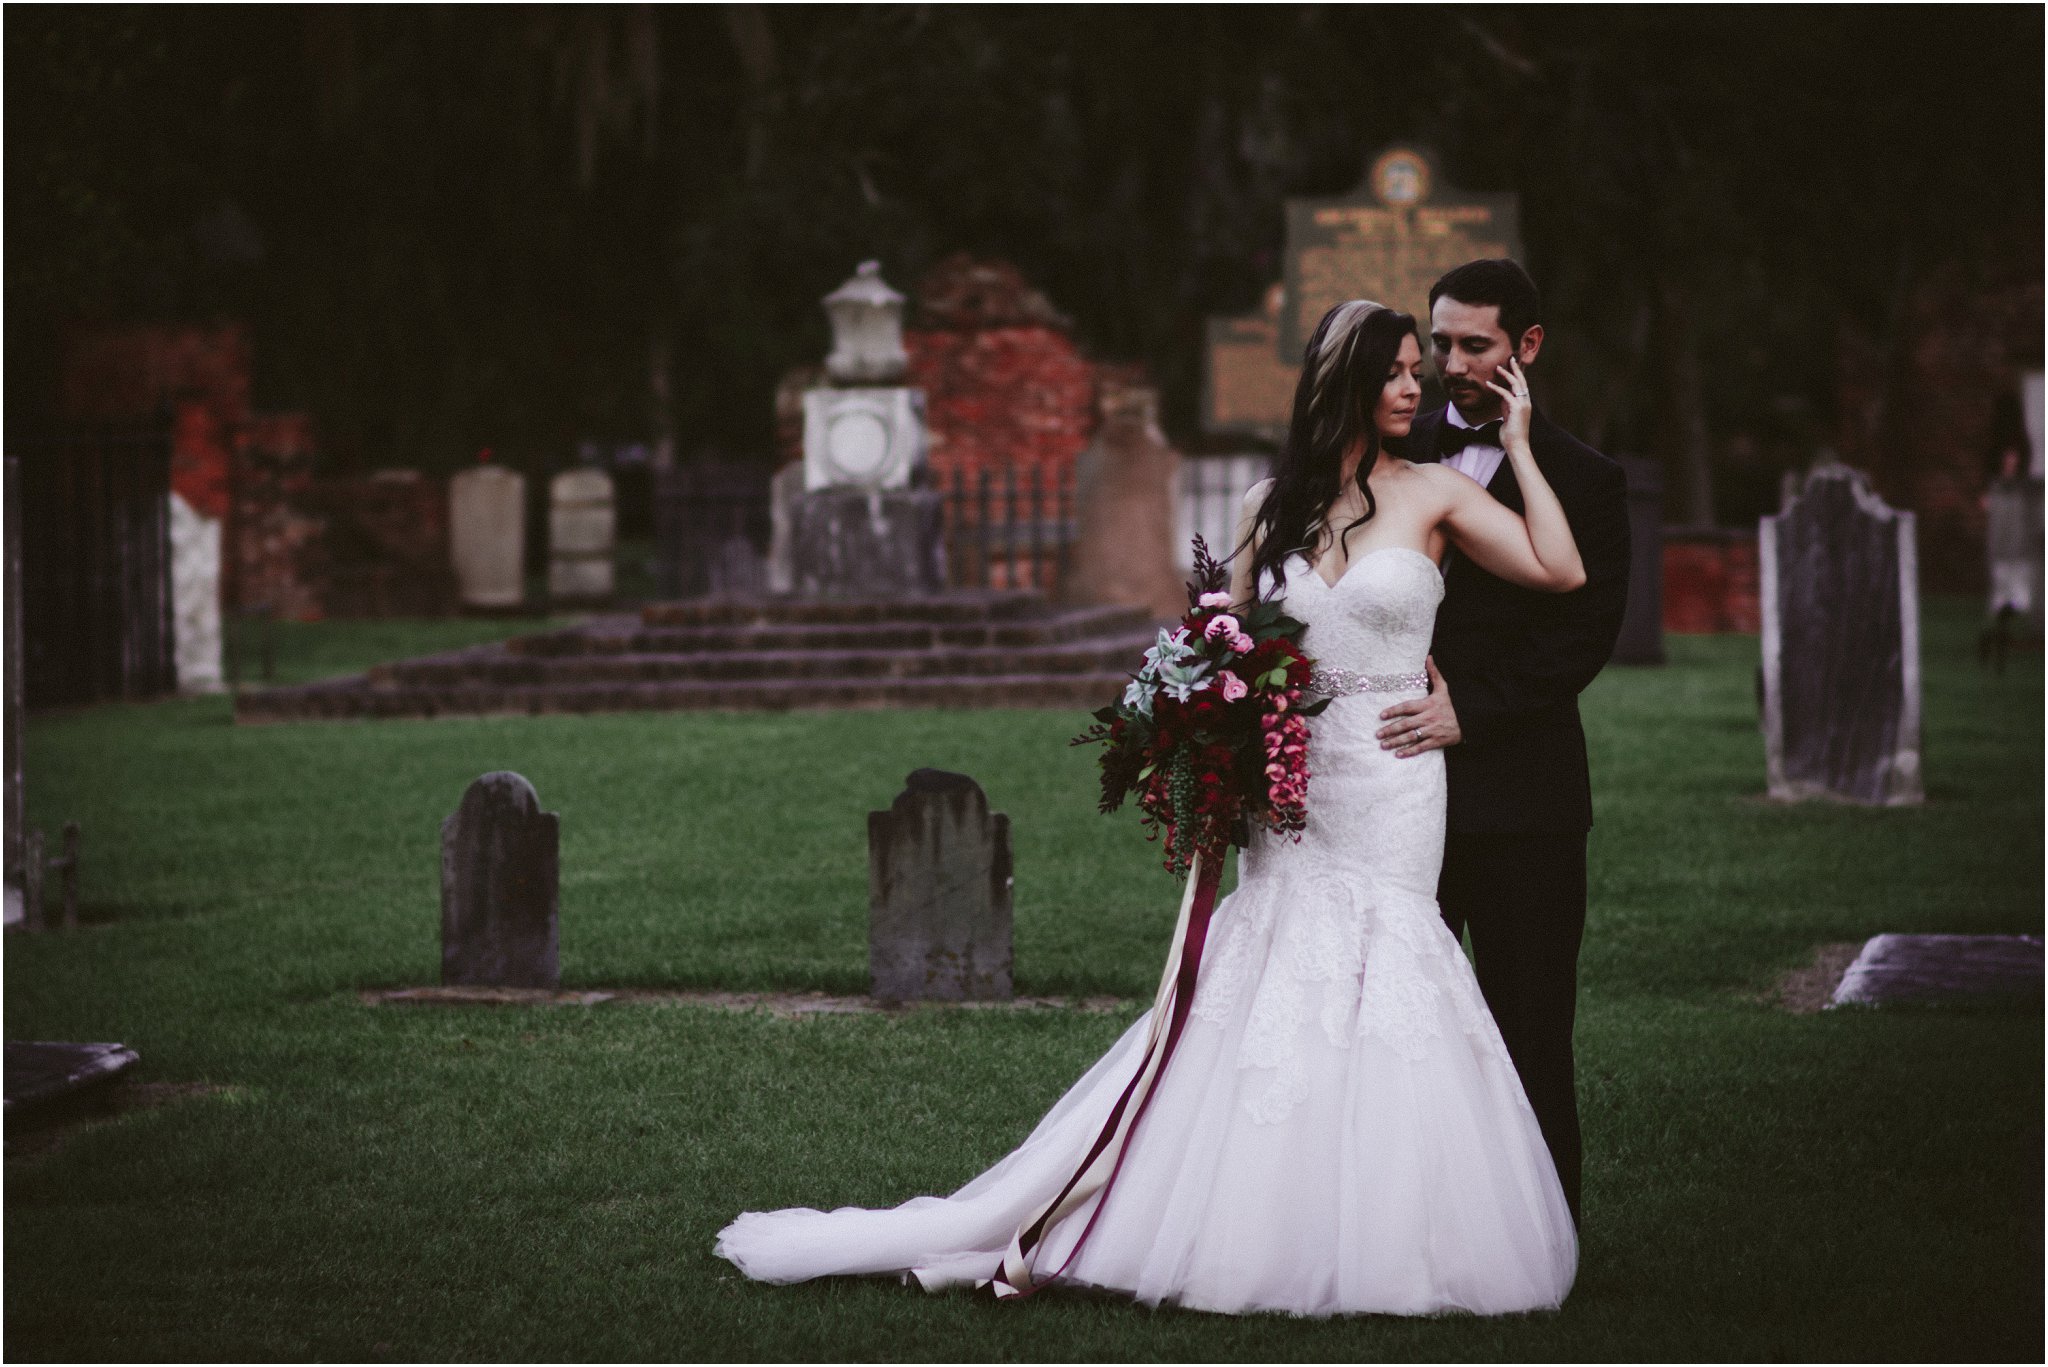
1477	461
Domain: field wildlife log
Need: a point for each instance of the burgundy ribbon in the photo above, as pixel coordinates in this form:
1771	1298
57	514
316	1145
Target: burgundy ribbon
1208	875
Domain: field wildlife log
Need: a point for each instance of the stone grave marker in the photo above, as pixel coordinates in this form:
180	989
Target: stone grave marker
860	543
487	536
500	866
195	597
1127	505
582	536
939	884
1841	645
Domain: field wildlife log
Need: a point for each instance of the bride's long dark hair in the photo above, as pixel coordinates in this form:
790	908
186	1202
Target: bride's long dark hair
1343	371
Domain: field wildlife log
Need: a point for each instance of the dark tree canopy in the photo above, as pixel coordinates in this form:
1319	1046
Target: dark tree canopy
460	226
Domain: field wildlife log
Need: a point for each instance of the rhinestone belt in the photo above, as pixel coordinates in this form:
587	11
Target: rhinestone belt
1337	683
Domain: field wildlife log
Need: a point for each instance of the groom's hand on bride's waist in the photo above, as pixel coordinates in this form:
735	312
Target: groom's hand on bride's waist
1420	724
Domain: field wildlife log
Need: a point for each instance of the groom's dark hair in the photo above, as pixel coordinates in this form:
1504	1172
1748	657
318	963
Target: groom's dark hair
1499	281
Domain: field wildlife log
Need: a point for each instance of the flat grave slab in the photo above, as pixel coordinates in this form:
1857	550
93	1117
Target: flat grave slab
1943	968
43	1071
787	1005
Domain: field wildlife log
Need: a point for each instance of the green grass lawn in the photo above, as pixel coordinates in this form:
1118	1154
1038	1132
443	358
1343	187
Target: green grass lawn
501	1183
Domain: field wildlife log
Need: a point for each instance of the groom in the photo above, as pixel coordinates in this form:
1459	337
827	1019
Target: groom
1515	660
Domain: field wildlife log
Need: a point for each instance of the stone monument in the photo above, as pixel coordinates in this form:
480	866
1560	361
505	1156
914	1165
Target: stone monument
487	536
1841	644
500	866
1388	241
1126	495
1247	386
195	597
582	536
939	886
863	525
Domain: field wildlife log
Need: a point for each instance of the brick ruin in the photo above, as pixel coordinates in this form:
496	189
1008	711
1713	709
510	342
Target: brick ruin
297	544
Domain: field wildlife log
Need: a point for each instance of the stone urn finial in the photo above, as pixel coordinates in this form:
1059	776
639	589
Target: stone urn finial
867	330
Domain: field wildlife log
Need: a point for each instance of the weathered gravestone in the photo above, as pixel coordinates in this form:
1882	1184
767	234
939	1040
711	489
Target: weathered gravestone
865	543
499	888
582	536
939	893
1127	494
487	536
1841	644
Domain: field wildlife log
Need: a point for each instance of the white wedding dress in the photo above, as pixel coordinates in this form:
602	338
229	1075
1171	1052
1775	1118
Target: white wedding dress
1341	1129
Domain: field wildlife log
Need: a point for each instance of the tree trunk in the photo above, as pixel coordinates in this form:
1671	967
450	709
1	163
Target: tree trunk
1692	445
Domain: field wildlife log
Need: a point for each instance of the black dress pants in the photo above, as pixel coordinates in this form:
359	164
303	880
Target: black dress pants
1523	898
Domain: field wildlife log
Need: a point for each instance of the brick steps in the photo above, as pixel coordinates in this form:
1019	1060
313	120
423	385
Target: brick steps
965	650
348	698
507	668
626	636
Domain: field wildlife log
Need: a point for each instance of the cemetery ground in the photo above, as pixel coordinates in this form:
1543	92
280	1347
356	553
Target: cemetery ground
432	1182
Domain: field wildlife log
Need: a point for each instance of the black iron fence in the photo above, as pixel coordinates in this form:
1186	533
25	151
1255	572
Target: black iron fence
1009	528
96	566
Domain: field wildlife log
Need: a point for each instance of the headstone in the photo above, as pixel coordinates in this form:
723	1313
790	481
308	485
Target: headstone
195	597
500	887
582	536
2012	543
1841	645
1389	240
862	543
939	886
1642	621
783	492
487	536
1127	495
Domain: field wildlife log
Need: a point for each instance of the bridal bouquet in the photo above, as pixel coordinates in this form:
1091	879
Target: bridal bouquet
1212	733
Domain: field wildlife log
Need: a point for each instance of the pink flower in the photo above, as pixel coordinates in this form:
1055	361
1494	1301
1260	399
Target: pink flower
1214	600
1223	624
1232	686
1241	644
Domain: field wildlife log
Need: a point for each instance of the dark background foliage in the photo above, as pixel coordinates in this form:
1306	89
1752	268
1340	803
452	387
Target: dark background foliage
451	227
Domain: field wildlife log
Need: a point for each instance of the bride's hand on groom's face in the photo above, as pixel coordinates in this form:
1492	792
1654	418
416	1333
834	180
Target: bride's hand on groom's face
1421	724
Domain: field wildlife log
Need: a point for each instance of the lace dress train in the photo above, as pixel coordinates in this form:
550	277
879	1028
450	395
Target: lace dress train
1341	1129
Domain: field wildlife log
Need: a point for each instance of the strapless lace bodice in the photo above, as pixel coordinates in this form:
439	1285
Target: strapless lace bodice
1377	619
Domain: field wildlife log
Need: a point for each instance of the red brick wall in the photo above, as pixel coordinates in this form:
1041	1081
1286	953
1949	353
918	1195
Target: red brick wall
1710	582
275	544
305	547
1003	396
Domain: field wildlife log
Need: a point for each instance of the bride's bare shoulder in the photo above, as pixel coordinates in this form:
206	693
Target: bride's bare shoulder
1440	480
1256	495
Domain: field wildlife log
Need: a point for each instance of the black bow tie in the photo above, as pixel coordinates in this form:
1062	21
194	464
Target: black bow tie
1451	438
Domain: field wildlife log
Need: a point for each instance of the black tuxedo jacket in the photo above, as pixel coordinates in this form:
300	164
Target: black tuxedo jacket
1516	659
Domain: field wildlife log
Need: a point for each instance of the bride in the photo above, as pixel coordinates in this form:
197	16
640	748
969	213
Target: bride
1341	1129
